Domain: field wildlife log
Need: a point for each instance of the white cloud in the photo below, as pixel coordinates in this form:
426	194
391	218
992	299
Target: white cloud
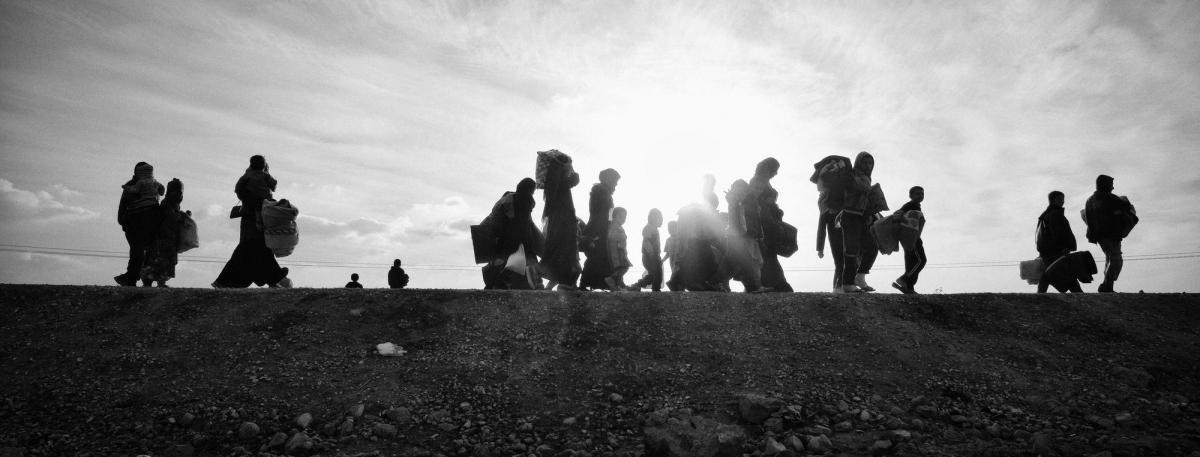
38	206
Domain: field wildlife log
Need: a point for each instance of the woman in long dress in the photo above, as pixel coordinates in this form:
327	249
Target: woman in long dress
252	262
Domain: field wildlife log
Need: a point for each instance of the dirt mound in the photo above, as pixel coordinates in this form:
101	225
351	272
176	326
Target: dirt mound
122	371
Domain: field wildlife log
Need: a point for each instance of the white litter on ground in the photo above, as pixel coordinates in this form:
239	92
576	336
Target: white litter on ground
389	349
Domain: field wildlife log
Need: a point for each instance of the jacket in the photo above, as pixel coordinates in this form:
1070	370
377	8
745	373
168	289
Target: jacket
1106	216
1054	233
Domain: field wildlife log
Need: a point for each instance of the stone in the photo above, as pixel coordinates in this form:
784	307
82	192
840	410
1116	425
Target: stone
346	427
818	444
616	398
297	444
304	420
248	430
1098	421
356	411
439	415
383	430
569	421
755	408
774	424
881	447
1022	435
178	450
693	436
186	419
400	416
1123	418
1133	377
525	427
12	452
277	440
843	426
1042	445
772	447
900	436
993	430
795	443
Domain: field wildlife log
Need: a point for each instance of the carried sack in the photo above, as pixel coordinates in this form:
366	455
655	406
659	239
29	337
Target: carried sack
235	212
886	233
876	201
483	243
544	159
279	226
1032	270
189	236
1083	265
1128	219
832	177
781	238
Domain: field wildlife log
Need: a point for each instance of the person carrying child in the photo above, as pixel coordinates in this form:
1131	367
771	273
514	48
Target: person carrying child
163	254
138	215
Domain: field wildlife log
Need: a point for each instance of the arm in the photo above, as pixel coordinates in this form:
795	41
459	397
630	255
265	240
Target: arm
821	235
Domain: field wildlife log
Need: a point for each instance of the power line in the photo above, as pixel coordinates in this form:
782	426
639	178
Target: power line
79	252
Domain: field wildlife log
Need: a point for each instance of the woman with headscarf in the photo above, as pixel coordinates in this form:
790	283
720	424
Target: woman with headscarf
595	234
252	261
137	214
762	210
163	254
560	264
854	218
512	228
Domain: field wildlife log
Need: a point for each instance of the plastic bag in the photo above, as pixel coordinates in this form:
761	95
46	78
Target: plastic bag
189	236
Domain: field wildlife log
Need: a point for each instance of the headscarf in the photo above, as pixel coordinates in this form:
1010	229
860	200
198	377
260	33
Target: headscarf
143	170
864	163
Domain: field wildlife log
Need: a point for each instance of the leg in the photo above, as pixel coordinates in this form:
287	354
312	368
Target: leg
919	259
852	226
836	248
1113	262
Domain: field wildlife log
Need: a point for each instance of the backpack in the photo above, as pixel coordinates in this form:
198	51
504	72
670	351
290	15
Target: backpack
832	177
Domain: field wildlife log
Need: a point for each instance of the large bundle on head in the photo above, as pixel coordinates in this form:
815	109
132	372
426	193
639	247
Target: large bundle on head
832	177
279	226
544	158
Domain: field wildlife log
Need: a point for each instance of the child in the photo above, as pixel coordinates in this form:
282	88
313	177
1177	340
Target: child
743	261
353	284
651	260
397	278
617	251
914	256
672	248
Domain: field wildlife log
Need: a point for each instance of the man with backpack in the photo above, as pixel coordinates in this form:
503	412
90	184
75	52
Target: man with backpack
1054	241
1109	219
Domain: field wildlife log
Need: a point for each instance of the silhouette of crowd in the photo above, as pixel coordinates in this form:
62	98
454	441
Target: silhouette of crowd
706	248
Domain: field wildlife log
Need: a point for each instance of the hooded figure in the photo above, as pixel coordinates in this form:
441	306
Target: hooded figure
595	234
761	210
1109	219
560	262
512	227
163	254
138	216
853	219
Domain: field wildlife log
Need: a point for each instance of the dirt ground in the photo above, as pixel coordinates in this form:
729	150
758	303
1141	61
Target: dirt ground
100	371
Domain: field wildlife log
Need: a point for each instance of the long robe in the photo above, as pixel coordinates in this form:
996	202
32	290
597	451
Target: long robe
597	266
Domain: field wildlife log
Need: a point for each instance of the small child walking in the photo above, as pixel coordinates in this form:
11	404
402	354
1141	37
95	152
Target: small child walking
617	251
651	259
672	250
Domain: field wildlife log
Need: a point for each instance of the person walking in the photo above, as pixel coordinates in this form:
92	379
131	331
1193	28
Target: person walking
651	253
595	233
1055	240
1109	219
560	264
762	209
137	215
853	218
252	262
914	257
618	251
163	254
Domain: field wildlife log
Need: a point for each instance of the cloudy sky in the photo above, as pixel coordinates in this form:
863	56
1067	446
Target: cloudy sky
393	126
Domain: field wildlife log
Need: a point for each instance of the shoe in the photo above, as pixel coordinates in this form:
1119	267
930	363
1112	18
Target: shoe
125	281
163	285
903	287
1105	288
285	283
566	288
612	284
852	289
860	280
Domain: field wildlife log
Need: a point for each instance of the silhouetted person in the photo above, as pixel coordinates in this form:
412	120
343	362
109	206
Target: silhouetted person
138	216
512	228
853	219
673	250
595	235
252	261
354	284
651	253
742	259
1109	219
708	193
762	209
831	175
163	254
914	258
1054	241
397	278
560	264
618	251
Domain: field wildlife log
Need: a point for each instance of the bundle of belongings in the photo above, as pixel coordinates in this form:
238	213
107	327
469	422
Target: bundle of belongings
902	228
279	226
1078	265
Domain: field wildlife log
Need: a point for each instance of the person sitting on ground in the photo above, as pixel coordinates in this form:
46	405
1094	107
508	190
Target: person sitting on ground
353	284
1054	241
137	215
651	257
617	251
397	278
